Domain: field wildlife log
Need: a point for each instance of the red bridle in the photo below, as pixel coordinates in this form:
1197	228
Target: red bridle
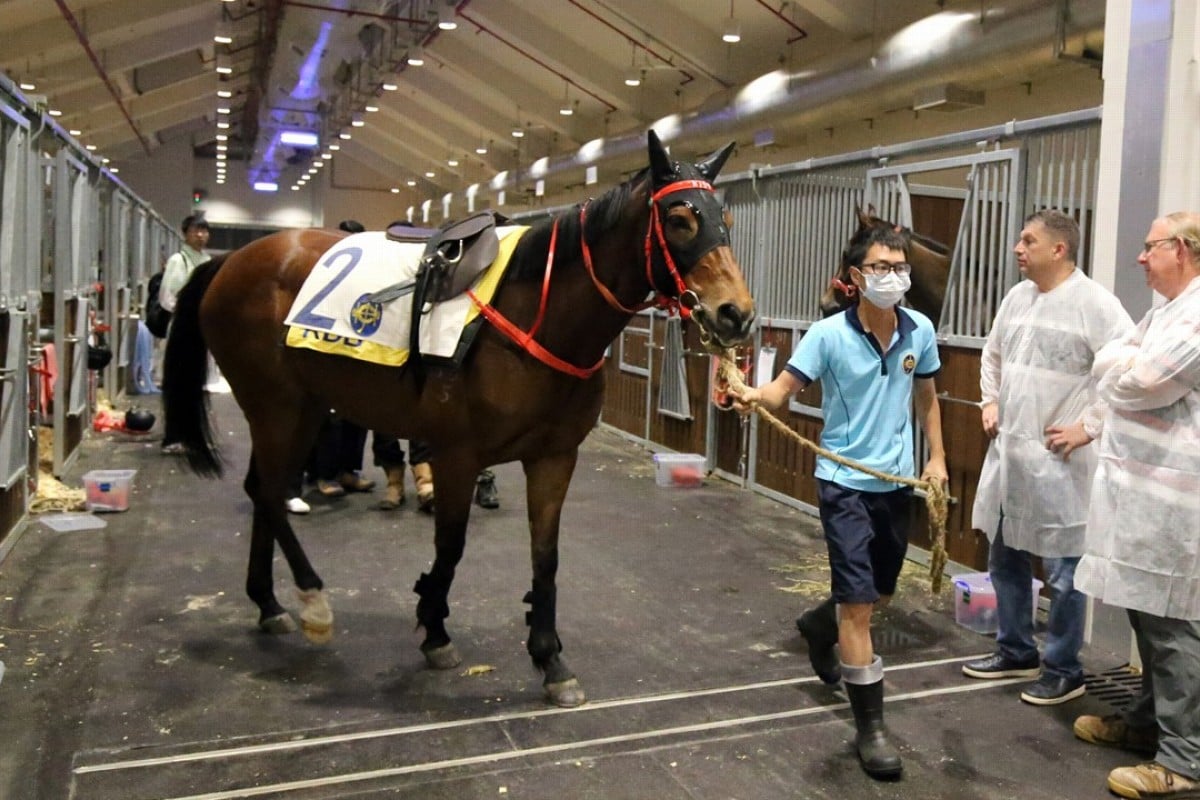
654	233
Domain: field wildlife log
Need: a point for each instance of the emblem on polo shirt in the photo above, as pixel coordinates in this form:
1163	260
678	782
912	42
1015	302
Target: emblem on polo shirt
909	363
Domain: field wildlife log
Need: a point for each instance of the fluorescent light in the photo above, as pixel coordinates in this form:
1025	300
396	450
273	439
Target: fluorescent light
416	58
223	125
453	162
299	138
370	109
395	190
733	31
224	93
447	25
27	86
633	78
223	109
266	186
356	120
54	112
344	135
221	38
75	132
390	87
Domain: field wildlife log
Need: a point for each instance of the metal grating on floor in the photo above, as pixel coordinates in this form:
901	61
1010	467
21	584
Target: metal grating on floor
1117	686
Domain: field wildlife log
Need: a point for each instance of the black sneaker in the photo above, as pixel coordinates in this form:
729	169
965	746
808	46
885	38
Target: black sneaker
1050	690
486	494
997	666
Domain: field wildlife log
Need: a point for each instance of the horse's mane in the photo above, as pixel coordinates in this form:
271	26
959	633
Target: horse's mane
928	243
932	245
603	214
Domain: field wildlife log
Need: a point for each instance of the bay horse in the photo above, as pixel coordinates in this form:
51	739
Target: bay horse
930	261
530	389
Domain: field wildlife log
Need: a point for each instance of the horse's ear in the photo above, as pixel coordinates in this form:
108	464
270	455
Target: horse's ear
661	168
712	165
864	217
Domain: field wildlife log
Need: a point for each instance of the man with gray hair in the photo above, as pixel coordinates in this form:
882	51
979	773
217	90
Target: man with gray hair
1039	408
1143	533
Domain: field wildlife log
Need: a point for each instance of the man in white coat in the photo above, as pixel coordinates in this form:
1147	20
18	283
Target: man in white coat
1143	534
1041	410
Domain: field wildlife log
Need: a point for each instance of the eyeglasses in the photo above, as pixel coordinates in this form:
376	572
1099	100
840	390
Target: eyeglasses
884	267
1153	243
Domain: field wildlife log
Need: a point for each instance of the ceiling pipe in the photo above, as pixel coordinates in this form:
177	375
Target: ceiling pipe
800	32
91	54
609	106
1010	37
687	76
350	12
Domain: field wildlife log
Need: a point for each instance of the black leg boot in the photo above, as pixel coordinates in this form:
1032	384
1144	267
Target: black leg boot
879	758
819	627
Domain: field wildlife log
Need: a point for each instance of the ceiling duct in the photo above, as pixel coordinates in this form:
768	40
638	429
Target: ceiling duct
946	97
1002	42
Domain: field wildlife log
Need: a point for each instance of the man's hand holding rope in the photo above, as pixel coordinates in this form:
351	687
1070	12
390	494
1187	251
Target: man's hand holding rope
934	477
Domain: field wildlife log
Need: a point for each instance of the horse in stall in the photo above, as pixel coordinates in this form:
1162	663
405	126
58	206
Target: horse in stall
930	261
529	390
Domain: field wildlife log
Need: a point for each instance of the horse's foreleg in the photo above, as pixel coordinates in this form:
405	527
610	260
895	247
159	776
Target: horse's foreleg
455	485
547	480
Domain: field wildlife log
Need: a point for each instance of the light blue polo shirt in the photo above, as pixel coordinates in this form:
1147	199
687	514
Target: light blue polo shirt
866	396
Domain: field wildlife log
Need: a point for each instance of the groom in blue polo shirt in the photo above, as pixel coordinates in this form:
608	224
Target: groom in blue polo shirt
874	360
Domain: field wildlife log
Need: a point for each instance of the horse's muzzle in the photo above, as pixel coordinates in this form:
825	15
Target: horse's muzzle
728	327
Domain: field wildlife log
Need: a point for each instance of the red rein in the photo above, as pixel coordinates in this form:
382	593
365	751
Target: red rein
654	233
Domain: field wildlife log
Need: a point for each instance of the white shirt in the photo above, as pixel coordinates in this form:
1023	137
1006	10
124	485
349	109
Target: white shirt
1037	366
1143	533
176	273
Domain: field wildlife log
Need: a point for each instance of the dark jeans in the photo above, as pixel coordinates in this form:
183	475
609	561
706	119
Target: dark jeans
388	452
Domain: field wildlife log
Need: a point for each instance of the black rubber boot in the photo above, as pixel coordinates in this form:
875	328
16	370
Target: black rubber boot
819	627
879	758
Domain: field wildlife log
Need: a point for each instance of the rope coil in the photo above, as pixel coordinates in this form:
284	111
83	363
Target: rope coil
935	494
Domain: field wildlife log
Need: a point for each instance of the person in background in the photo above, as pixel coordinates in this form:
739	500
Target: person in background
1142	547
336	458
1041	411
874	360
178	269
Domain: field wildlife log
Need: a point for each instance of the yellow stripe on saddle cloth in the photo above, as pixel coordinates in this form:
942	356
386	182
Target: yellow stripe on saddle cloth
331	313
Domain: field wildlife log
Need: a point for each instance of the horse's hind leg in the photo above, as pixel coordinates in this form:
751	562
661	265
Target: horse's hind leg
274	460
546	481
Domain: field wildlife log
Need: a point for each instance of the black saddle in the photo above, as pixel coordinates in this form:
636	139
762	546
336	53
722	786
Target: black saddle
455	255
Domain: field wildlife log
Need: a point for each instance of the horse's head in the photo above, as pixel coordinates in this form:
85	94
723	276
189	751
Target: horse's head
687	246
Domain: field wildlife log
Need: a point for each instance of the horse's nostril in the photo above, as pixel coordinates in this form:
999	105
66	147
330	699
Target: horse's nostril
730	315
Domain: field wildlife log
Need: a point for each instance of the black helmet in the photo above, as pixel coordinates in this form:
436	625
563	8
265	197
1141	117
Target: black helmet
138	420
98	356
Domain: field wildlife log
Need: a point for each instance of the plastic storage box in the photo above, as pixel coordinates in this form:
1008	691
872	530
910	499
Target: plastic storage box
684	470
975	601
108	489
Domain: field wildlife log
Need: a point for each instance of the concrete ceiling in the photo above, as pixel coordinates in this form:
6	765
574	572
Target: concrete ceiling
133	75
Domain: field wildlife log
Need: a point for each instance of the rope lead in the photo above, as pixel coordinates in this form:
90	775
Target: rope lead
935	494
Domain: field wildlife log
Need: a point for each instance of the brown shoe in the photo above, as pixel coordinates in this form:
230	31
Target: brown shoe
1113	731
330	488
1151	780
393	495
353	482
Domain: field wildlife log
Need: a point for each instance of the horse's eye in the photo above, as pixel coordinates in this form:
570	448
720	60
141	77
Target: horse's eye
682	219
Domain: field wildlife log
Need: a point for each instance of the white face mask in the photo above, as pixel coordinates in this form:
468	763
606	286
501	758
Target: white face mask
887	290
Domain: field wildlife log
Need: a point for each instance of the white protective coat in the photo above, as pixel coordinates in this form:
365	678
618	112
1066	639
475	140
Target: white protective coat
1143	535
1037	365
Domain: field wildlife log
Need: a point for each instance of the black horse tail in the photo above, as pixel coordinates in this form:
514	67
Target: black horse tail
185	372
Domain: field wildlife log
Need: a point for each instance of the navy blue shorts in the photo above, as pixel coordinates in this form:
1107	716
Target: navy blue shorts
867	537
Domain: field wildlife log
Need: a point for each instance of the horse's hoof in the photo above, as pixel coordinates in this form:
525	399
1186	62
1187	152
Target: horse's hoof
444	657
316	617
565	694
278	624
